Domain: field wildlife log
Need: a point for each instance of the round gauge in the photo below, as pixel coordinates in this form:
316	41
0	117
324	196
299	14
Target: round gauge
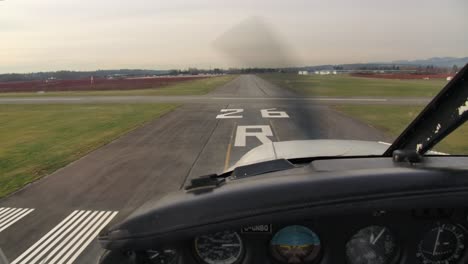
372	245
219	248
295	244
443	244
166	256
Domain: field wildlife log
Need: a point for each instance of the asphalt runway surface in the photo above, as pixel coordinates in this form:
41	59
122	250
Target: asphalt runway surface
56	219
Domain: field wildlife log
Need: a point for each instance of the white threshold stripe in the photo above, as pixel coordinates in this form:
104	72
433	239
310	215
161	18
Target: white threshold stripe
41	251
64	241
70	236
12	215
16	217
90	238
9	216
42	239
7	212
66	248
33	247
2	209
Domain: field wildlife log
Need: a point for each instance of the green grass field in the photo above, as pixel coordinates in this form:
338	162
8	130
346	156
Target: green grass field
345	85
193	87
394	119
38	139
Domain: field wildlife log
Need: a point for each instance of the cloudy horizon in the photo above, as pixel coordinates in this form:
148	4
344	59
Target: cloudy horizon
88	35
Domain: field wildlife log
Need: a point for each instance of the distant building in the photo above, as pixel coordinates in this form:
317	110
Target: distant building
50	79
303	73
323	72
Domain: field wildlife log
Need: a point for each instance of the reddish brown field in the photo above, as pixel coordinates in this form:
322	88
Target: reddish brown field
97	85
404	76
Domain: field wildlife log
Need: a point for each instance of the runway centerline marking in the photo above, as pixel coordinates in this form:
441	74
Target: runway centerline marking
9	216
229	148
67	240
275	131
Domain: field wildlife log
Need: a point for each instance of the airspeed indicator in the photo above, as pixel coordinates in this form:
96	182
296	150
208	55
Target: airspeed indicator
223	247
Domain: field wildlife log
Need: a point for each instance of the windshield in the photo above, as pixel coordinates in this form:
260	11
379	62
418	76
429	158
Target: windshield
106	104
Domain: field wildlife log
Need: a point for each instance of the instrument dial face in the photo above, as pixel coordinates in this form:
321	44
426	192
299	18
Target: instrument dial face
442	244
223	247
372	245
295	244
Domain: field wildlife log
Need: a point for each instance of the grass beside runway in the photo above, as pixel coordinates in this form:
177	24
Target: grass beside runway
193	87
394	119
348	86
39	139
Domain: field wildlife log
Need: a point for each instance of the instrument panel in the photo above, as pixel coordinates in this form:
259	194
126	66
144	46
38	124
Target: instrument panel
426	236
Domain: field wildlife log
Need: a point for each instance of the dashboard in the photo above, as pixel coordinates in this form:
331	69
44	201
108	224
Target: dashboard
349	210
426	236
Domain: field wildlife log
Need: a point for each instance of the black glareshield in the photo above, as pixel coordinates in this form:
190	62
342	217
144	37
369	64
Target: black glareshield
447	111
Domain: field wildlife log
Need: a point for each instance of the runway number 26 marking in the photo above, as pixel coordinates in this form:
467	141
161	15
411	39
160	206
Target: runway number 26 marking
266	113
230	113
269	113
261	132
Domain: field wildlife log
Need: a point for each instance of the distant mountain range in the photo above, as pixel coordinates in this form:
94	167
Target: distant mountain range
435	61
440	62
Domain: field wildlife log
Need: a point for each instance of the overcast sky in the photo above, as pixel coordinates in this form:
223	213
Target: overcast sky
40	35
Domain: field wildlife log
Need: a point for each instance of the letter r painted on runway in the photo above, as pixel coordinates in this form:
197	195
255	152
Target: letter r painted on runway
260	132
